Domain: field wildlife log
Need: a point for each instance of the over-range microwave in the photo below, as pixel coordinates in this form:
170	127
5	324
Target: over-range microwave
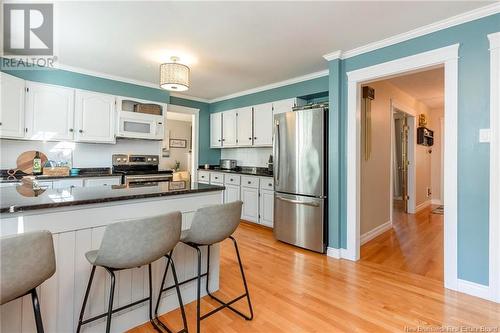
137	125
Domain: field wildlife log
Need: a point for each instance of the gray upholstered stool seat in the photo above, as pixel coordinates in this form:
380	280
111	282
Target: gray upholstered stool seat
27	260
131	244
211	225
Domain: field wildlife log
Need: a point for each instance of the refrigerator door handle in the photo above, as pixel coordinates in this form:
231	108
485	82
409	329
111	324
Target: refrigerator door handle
277	150
312	204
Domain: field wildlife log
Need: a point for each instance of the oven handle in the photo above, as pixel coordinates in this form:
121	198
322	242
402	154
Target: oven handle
146	178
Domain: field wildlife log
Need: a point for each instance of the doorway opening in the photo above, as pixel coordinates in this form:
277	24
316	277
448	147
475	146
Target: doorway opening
179	151
401	215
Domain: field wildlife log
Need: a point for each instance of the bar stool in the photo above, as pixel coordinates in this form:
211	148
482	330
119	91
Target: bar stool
27	260
212	225
131	244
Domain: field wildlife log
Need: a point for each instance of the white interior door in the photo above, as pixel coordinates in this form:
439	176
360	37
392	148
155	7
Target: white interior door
94	117
263	125
12	106
229	125
216	130
50	111
244	125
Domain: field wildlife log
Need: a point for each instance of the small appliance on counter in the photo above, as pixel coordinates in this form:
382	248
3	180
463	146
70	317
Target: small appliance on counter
227	164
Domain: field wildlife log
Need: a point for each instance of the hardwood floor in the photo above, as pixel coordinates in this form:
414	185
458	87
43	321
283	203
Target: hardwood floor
294	290
415	244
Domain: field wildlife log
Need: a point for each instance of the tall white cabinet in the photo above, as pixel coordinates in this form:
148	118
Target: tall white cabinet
245	127
49	112
229	125
12	106
94	117
263	125
216	130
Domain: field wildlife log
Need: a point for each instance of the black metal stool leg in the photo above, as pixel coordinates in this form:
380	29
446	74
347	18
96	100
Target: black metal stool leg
179	297
111	297
198	293
36	310
243	277
150	300
85	299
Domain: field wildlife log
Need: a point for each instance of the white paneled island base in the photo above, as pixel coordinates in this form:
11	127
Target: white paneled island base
78	229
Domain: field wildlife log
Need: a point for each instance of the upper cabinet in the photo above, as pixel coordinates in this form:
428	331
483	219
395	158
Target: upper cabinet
244	127
12	106
216	130
94	117
49	112
229	128
286	105
263	125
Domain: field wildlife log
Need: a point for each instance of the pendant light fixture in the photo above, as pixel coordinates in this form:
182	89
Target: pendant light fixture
174	76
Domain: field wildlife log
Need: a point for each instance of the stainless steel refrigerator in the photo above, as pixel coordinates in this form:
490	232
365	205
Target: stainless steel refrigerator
300	166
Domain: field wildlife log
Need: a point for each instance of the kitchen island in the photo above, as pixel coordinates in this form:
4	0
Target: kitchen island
77	217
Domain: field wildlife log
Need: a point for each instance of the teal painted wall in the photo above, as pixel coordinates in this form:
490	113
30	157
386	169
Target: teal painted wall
309	87
92	83
206	154
473	114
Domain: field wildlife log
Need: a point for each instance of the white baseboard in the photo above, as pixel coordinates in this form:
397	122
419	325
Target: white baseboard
333	252
475	289
368	236
436	202
422	206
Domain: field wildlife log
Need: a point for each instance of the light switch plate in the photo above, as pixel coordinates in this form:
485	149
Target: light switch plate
484	135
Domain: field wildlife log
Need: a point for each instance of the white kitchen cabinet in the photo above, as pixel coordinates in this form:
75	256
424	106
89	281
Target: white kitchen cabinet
98	181
94	117
263	125
231	193
266	208
12	106
216	178
204	177
65	183
229	128
286	105
49	112
216	130
245	127
250	209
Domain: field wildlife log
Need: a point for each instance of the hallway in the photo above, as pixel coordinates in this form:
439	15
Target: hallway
414	244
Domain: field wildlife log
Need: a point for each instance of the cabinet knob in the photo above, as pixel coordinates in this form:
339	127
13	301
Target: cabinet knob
249	182
81	131
270	184
0	123
231	179
71	130
249	138
255	138
218	140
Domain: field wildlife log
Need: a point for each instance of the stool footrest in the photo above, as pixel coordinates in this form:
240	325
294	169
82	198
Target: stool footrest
86	321
183	282
226	305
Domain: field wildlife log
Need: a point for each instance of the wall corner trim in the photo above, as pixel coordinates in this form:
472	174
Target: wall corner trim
333	252
333	55
475	289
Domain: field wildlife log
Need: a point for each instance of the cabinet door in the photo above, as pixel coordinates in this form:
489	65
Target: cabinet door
263	125
284	105
266	211
244	125
229	125
49	112
250	209
90	182
216	130
12	107
94	117
67	183
231	193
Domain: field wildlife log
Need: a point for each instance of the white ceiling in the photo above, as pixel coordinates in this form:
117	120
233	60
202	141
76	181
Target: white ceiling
426	87
231	46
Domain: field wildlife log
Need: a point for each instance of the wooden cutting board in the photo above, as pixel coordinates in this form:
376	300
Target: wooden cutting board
25	161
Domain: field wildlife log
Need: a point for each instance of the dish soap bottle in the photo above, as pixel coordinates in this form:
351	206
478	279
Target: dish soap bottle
37	164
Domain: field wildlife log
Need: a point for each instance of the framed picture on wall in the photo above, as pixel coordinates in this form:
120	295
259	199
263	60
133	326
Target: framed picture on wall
178	143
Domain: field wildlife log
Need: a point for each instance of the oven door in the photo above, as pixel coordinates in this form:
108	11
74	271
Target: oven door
149	180
140	126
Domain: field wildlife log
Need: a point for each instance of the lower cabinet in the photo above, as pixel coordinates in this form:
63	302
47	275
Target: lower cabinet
65	183
266	208
98	181
231	193
250	209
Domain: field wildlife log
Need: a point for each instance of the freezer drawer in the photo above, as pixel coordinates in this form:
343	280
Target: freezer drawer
299	220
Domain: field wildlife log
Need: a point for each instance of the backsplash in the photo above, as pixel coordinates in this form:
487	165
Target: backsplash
82	155
257	157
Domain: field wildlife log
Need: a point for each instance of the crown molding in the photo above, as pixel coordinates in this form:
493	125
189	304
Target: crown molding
192	98
333	55
273	85
421	31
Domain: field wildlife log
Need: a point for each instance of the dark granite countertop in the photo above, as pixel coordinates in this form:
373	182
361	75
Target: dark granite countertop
83	173
250	171
22	198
